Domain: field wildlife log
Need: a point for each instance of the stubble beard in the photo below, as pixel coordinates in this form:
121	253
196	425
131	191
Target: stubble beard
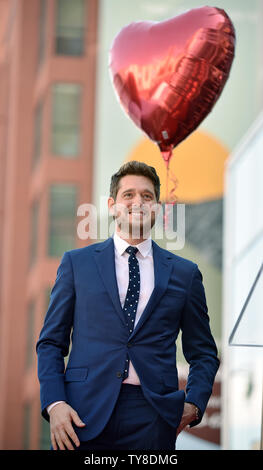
135	229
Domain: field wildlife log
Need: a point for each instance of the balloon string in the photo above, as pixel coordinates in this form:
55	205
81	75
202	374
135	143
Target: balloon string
167	198
170	199
167	180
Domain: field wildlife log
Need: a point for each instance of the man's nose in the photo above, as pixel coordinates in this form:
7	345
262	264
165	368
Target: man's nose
137	200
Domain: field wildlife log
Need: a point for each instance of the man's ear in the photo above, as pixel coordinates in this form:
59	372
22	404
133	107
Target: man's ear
111	204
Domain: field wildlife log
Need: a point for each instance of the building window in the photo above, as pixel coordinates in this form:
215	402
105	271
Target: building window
37	133
34	232
65	132
70	27
62	219
42	30
30	335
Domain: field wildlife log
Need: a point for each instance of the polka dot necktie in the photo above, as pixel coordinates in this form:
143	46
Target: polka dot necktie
133	292
132	296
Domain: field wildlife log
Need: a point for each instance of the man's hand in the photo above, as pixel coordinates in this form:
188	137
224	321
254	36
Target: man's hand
188	416
61	429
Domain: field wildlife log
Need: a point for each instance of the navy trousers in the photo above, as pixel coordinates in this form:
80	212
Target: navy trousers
133	425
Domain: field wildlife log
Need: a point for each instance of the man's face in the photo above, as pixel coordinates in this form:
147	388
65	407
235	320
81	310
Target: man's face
135	207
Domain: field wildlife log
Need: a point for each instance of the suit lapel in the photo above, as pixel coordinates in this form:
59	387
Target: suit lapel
162	271
105	260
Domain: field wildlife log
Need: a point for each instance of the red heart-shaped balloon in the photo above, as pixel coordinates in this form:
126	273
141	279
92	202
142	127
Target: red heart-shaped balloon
169	74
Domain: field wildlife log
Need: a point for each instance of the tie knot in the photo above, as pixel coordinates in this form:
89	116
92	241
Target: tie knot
132	250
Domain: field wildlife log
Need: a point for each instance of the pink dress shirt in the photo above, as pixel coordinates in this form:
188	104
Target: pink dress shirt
145	259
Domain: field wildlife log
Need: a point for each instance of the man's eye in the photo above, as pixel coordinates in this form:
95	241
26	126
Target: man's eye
147	196
128	195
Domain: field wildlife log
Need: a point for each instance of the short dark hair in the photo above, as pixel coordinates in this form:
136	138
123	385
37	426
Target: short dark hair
135	168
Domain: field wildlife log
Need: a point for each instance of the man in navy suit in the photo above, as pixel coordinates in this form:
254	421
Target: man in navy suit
120	386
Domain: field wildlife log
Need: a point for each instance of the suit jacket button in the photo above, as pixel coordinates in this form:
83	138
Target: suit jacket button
119	374
129	345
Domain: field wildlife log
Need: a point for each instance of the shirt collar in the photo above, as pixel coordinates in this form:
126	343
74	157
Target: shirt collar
144	247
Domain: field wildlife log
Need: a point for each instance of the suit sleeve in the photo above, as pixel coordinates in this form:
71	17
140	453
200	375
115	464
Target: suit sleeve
198	346
54	339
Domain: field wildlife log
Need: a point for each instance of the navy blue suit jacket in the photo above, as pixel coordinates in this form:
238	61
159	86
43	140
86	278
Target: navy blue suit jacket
85	308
